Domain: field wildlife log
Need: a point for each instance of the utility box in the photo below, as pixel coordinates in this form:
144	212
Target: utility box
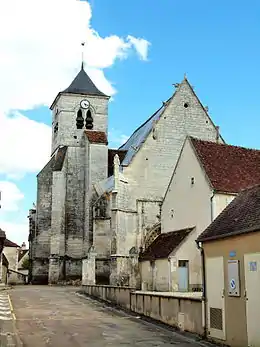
233	278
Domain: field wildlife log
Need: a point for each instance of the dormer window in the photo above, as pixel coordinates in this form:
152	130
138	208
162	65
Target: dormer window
79	120
89	120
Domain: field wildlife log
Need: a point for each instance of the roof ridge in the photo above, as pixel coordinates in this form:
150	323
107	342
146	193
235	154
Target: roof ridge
224	144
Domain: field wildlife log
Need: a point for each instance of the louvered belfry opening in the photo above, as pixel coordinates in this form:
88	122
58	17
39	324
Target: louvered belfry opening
79	120
89	120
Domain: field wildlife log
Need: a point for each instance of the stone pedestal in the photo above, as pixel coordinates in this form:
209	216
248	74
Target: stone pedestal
119	275
89	269
54	269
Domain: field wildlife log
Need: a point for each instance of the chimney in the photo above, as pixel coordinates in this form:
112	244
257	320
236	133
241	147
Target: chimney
23	247
218	136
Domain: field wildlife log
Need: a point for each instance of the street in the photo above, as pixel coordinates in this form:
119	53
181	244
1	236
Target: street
58	316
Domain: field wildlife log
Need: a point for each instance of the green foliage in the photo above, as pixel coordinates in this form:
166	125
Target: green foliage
25	264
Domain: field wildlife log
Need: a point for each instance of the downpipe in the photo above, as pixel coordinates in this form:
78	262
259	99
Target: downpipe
204	287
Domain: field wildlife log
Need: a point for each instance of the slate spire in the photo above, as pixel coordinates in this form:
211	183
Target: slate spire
82	84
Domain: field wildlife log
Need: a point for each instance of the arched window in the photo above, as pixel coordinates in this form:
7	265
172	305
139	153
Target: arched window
79	120
89	120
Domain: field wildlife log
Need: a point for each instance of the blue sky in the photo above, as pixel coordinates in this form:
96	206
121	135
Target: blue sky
215	43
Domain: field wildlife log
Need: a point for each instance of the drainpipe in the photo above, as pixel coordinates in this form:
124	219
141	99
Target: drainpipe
204	288
211	208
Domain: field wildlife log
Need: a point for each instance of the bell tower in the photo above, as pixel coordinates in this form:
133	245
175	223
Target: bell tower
81	106
79	118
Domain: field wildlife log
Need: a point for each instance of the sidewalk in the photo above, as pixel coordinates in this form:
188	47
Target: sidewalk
8	334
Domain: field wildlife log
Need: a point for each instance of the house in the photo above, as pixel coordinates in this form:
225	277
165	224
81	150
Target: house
231	247
15	256
23	260
91	198
11	251
155	261
207	177
4	269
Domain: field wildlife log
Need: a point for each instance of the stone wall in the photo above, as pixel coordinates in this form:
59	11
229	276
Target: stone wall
40	244
177	310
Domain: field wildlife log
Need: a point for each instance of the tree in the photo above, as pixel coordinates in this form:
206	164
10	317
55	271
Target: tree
25	264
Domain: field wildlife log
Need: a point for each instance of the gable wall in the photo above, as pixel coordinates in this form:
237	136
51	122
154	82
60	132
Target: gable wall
152	166
186	205
219	202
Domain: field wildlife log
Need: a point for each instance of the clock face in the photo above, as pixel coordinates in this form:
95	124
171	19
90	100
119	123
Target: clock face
84	104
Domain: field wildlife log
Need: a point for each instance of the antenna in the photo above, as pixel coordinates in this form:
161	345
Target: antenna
82	55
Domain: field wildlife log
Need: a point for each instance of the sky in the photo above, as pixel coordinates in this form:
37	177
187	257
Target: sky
135	51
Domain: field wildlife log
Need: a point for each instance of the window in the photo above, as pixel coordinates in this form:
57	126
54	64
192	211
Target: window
79	120
89	120
56	128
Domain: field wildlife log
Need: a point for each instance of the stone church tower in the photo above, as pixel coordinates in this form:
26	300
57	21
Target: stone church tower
63	224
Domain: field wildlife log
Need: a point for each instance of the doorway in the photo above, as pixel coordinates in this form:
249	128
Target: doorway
183	275
252	286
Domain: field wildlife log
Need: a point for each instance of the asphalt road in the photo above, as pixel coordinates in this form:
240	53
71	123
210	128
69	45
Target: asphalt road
58	317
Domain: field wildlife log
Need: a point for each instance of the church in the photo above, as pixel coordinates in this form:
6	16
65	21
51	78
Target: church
93	200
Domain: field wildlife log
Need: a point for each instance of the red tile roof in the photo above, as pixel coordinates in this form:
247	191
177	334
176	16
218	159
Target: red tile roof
8	243
241	216
96	136
164	244
229	168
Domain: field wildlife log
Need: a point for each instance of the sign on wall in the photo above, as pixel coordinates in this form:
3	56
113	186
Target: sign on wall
233	278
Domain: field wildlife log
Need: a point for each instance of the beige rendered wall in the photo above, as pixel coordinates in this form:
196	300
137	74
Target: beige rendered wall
187	205
219	202
11	254
235	307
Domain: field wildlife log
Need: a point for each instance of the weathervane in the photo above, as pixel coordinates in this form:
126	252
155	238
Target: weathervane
82	55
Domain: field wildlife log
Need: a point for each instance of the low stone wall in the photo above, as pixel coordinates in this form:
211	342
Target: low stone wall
183	312
117	295
180	310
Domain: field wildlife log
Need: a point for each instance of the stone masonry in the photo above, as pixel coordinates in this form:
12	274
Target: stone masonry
98	205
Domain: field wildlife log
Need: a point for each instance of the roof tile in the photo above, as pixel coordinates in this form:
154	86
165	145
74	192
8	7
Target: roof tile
8	243
164	244
96	137
82	84
229	168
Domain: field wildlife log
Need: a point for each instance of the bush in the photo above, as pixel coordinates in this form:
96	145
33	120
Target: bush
25	264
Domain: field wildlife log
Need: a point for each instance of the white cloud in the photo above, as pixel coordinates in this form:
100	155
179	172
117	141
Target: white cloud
16	232
40	46
141	46
25	145
116	138
40	53
11	196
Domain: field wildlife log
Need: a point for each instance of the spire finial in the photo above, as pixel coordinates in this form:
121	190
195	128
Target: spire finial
185	76
82	55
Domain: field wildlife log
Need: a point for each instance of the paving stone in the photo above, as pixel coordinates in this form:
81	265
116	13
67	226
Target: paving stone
56	316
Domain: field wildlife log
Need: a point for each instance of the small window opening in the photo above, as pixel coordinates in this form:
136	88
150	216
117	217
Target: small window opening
89	120
186	105
192	180
79	120
56	128
75	137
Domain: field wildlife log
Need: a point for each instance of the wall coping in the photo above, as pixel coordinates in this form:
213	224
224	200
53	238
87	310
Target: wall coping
107	286
197	296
